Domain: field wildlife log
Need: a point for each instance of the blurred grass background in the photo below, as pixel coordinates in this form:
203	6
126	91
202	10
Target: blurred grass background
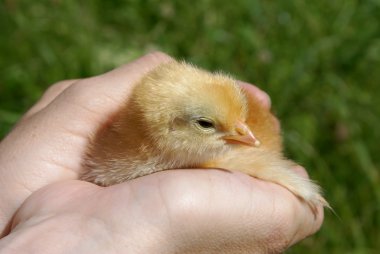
318	60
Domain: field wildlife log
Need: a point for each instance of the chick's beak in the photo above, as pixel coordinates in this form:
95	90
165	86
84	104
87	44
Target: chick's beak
244	136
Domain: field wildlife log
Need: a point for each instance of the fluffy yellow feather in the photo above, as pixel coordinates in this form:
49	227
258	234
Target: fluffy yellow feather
180	116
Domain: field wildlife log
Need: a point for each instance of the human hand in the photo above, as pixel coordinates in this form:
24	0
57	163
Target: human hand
167	212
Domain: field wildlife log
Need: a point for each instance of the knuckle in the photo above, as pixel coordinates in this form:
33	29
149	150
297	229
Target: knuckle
154	58
58	87
158	55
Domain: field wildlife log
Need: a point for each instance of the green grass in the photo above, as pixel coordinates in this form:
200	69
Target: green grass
318	60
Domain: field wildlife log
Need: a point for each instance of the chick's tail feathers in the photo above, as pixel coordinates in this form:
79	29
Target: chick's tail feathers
272	167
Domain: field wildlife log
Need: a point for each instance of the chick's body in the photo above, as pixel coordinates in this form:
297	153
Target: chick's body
182	117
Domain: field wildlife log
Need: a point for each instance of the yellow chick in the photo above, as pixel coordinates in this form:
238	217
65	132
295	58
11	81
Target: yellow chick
180	116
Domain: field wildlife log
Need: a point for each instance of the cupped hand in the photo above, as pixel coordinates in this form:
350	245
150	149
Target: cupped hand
167	212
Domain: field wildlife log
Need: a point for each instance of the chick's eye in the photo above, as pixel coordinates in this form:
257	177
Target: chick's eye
205	124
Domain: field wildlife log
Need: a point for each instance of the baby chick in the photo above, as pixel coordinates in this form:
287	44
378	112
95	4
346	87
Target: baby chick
180	116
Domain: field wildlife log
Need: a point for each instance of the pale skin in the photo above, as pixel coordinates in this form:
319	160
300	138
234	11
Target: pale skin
45	209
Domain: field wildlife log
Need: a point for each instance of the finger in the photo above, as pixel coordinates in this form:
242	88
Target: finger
281	219
308	224
263	98
102	95
258	93
51	93
311	222
80	109
301	171
82	106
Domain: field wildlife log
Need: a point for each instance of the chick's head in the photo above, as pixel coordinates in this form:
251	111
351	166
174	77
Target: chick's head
192	114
